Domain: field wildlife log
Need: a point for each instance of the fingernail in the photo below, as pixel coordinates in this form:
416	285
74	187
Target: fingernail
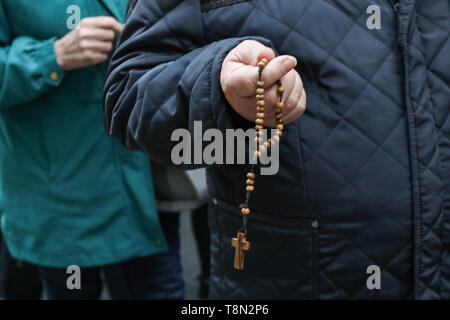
289	63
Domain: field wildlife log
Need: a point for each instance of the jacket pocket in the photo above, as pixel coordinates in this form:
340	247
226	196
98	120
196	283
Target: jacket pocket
282	261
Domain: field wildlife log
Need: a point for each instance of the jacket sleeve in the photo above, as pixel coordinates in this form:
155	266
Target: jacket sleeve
28	66
164	76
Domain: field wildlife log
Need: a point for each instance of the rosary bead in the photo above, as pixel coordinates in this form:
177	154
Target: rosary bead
262	147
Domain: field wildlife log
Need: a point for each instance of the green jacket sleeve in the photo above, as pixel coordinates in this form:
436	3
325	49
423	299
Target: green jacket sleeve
28	67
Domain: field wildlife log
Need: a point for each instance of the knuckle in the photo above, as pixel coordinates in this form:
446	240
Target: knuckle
110	34
110	21
86	55
84	22
82	34
83	44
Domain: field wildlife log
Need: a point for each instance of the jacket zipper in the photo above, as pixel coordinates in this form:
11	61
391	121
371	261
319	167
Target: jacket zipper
403	42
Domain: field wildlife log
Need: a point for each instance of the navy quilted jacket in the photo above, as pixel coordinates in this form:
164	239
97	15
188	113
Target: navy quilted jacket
365	172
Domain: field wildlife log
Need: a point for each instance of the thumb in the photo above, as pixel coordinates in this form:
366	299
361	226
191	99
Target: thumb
278	68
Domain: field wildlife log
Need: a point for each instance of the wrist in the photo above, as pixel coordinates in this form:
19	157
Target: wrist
57	46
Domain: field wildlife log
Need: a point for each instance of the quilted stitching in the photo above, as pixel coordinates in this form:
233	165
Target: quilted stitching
333	50
354	150
397	121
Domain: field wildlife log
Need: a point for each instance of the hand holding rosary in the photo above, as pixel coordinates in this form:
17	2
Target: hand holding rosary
240	242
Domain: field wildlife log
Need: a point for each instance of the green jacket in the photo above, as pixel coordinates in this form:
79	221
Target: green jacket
71	195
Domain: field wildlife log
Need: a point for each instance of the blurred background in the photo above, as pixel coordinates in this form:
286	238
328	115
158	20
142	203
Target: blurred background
189	258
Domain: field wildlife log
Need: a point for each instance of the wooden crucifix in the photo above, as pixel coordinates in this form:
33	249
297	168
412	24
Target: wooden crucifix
241	245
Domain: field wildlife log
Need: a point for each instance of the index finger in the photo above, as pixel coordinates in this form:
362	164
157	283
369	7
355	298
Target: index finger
104	23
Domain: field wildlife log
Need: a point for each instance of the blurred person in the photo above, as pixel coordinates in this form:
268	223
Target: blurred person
200	226
18	280
360	206
180	191
71	195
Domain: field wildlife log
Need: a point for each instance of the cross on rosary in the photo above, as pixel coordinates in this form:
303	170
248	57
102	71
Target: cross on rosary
241	245
240	242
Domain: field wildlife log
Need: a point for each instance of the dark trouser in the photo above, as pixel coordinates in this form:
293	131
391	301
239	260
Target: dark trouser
18	280
202	236
157	276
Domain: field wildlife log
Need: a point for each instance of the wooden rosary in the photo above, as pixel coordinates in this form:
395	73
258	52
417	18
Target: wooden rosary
240	242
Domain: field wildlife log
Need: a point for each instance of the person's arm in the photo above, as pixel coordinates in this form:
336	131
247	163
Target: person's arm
31	67
164	76
28	67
